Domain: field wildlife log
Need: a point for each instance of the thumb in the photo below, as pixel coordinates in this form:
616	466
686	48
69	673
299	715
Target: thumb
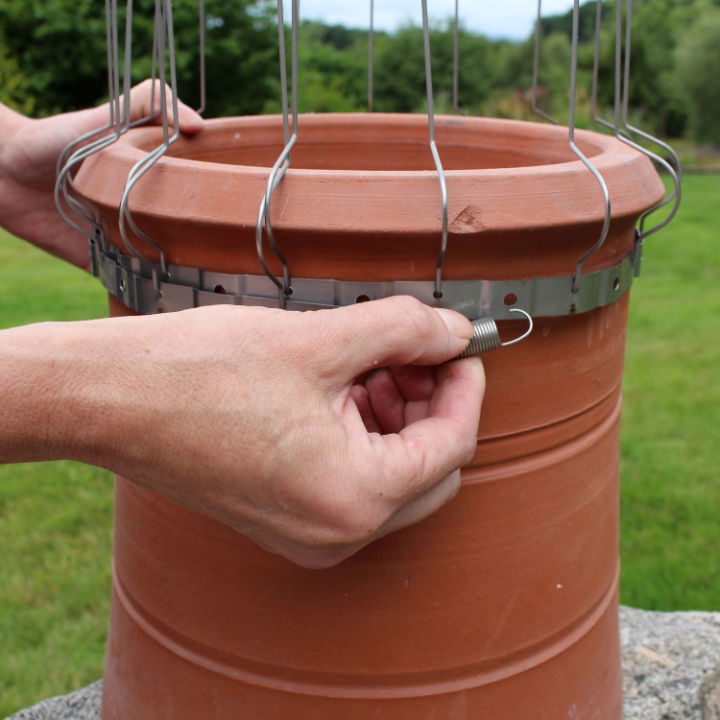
393	331
431	449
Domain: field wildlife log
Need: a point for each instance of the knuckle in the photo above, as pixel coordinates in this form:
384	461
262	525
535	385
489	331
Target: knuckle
320	559
469	448
351	520
340	516
405	302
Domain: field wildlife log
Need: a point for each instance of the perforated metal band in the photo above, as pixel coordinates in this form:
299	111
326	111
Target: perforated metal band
139	285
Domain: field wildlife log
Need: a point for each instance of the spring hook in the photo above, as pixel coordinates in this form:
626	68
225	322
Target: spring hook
486	336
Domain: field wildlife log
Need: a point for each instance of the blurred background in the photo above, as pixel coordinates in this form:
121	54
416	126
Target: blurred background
56	518
51	58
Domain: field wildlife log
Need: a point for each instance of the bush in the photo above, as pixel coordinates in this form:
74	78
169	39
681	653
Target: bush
59	47
696	75
14	86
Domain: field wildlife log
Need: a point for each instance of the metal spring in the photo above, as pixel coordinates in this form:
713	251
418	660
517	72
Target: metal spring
486	336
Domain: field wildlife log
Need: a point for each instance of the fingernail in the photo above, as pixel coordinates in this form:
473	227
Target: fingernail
456	323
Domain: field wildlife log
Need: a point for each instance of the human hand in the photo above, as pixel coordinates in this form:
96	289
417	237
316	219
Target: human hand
28	156
312	433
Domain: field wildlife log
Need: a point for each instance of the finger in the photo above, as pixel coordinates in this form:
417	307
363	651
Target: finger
392	331
416	410
461	388
387	403
191	122
359	395
424	505
141	106
400	395
415	382
437	445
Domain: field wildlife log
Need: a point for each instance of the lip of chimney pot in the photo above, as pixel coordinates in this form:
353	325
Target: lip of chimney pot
360	173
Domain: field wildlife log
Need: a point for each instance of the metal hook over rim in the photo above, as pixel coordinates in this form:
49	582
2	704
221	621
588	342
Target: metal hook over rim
435	154
163	54
281	165
607	203
620	116
675	170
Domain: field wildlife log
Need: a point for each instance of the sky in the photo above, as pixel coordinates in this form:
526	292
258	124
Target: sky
511	19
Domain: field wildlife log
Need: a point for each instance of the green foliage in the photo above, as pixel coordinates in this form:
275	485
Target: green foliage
60	48
511	78
658	27
14	86
562	24
57	45
400	78
241	55
333	69
53	59
697	71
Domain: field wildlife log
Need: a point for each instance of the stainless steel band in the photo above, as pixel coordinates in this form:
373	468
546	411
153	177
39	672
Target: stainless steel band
139	284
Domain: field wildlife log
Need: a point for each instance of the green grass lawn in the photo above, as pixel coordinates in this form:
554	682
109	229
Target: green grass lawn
671	417
55	519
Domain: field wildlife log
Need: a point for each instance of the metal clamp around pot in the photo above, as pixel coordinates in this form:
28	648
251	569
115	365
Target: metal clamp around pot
131	281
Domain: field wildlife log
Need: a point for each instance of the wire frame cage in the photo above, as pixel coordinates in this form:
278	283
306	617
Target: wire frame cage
82	217
502	605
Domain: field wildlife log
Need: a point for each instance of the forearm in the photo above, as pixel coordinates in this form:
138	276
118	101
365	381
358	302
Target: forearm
49	395
11	126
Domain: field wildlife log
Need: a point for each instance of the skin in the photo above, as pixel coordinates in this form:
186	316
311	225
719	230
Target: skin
28	153
312	433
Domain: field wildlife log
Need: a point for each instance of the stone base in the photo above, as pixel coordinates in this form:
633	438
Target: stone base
83	704
669	660
671	668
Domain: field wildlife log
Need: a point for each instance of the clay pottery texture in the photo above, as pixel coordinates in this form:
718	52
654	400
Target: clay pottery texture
503	605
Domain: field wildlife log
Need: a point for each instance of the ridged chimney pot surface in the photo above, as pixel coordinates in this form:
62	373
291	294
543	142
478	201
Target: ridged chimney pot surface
502	605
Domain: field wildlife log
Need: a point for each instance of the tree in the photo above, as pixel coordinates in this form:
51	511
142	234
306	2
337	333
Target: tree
400	70
59	47
53	58
13	84
696	76
658	26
